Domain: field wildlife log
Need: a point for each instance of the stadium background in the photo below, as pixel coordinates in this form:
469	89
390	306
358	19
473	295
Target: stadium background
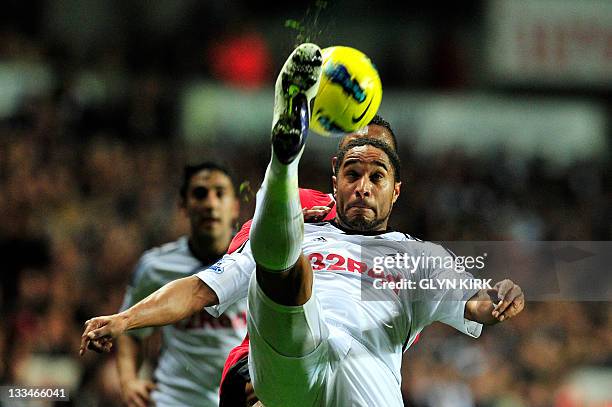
502	112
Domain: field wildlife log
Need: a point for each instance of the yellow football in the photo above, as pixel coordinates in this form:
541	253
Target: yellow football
349	94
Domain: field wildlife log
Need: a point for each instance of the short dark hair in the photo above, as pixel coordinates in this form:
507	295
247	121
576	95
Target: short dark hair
190	170
379	121
381	145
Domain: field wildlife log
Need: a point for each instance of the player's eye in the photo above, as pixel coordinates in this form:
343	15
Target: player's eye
220	193
199	193
352	174
377	176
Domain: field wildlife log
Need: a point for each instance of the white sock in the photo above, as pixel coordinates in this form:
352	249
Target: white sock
278	223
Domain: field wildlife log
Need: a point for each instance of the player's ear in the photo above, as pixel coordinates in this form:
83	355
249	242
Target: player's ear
334	183
334	160
396	191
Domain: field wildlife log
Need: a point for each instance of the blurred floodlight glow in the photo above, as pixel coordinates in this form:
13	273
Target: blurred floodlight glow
560	130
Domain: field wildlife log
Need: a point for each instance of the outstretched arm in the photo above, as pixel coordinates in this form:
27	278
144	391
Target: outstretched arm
489	307
171	303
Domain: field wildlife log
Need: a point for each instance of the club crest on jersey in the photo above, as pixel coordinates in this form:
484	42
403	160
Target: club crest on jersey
217	267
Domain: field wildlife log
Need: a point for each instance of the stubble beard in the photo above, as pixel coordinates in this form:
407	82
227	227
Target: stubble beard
360	223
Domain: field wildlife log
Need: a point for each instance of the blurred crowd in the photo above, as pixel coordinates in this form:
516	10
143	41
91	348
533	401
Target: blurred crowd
86	187
80	207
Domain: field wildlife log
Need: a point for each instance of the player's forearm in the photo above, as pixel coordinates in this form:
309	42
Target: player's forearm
171	303
479	308
128	358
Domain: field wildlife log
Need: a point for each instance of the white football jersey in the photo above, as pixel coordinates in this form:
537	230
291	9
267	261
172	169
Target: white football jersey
194	350
381	322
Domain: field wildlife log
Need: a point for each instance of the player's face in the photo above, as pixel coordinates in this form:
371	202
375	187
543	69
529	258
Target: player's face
365	189
211	205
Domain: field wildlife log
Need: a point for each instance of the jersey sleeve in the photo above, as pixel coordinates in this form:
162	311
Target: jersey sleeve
143	283
229	278
445	304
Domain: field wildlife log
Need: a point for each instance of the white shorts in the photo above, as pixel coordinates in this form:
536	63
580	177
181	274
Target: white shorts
297	359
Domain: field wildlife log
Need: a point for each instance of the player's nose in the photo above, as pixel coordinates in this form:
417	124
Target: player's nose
211	201
364	187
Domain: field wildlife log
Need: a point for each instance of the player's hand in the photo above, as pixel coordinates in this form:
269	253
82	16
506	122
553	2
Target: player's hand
100	331
137	393
508	300
317	213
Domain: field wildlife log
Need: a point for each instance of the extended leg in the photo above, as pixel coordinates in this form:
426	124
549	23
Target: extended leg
289	353
277	231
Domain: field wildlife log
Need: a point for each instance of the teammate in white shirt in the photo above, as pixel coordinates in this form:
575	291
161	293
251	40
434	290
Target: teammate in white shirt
314	340
193	349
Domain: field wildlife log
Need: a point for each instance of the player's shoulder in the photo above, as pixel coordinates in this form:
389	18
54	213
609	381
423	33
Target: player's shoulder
424	247
165	263
178	247
399	237
417	246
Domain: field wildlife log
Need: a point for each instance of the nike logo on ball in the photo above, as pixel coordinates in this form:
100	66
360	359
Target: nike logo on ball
358	118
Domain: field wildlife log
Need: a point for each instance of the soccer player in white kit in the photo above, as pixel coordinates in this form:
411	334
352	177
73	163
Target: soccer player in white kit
193	349
314	340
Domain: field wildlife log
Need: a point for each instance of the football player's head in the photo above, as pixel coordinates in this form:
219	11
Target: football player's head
209	199
366	183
